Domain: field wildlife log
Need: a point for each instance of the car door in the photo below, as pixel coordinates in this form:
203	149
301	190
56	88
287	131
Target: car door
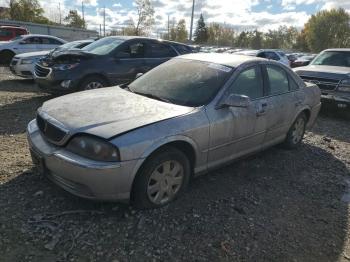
281	103
127	62
29	44
238	131
157	53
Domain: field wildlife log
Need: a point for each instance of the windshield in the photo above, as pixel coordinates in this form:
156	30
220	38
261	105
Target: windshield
103	46
333	58
183	82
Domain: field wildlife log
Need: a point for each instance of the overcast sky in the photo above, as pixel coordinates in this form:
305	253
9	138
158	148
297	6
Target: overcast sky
249	14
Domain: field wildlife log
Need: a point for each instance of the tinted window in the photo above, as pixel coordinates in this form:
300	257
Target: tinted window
182	49
161	50
32	40
333	58
5	32
272	56
248	83
20	32
278	80
183	81
51	41
293	86
133	50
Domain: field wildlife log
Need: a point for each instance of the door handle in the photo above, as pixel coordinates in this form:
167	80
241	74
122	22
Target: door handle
262	110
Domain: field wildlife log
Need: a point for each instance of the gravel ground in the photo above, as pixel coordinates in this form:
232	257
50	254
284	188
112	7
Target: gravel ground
278	205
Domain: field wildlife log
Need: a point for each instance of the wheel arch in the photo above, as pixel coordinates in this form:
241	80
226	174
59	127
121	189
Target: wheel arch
101	75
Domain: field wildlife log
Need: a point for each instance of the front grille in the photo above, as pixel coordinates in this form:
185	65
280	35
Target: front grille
50	131
41	71
322	83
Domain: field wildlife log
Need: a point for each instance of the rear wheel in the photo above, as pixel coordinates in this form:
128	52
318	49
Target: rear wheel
296	133
6	57
93	82
162	179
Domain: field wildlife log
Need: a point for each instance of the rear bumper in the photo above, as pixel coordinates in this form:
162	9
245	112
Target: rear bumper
80	176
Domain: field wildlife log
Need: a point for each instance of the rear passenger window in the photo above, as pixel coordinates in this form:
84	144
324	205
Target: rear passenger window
182	49
278	80
161	50
293	85
248	83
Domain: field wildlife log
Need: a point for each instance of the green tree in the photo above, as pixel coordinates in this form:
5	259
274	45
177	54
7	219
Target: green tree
201	33
328	29
242	40
301	43
28	11
256	40
73	19
181	32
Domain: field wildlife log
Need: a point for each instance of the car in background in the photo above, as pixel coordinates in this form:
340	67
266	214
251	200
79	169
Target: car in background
23	64
144	141
8	32
27	43
330	70
109	61
270	54
302	61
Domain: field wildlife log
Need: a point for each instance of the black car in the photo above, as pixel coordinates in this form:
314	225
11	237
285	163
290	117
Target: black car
109	61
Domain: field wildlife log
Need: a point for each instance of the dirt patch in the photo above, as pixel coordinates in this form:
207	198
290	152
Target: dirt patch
276	206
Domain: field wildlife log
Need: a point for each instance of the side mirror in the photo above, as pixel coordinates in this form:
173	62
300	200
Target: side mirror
236	101
138	75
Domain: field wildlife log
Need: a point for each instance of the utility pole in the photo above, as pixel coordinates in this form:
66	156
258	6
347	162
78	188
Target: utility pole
192	21
59	10
104	21
100	31
82	10
168	27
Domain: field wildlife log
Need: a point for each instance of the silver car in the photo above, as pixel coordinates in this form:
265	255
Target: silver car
144	141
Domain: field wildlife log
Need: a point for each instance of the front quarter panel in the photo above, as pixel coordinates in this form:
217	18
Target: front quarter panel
192	128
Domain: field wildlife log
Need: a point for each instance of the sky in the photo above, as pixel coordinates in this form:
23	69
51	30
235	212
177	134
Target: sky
240	14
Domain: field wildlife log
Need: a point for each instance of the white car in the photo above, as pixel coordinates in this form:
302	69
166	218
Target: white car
271	54
23	64
27	43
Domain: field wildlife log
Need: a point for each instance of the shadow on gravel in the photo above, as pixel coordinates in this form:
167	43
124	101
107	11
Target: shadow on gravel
19	86
16	115
277	206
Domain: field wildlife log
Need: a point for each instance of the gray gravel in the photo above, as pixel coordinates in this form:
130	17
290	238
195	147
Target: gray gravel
278	205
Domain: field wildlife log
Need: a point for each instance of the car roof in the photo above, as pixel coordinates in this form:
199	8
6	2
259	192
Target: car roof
145	38
231	60
338	49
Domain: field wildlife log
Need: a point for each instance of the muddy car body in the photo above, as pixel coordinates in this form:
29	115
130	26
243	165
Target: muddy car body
108	61
187	116
330	70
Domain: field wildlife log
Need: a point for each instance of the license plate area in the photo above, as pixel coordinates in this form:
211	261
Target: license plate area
38	161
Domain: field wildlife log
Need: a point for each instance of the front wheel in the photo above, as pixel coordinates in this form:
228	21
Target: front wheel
92	82
296	133
6	57
162	179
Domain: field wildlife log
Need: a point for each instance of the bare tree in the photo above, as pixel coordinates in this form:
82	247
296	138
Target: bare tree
145	13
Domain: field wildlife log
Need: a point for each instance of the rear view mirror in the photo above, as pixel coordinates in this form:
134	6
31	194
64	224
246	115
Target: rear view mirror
236	101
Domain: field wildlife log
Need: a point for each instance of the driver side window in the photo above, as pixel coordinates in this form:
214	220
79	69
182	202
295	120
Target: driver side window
248	83
133	50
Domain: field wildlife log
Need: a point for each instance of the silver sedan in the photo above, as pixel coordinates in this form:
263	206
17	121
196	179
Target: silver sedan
144	141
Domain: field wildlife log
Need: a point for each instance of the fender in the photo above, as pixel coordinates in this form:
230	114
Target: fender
303	108
160	143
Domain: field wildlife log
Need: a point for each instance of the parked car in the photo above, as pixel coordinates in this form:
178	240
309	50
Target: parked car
302	61
330	70
9	32
270	54
27	43
143	141
23	64
106	62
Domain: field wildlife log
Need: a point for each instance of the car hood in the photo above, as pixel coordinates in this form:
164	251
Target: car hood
33	54
334	72
108	112
64	56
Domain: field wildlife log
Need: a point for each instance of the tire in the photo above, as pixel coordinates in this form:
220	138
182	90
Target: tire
296	132
92	82
6	57
154	186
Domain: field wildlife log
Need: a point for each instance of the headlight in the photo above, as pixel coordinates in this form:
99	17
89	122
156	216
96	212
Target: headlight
344	85
66	67
93	148
27	61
